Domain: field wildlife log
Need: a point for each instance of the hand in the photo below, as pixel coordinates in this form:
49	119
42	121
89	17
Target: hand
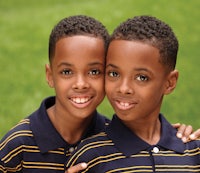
76	168
185	132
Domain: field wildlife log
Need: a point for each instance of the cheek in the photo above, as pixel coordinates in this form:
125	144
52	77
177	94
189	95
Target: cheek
101	86
109	88
151	95
100	92
62	85
98	85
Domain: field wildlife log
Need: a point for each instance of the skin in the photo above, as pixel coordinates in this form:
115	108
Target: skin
124	87
136	82
77	75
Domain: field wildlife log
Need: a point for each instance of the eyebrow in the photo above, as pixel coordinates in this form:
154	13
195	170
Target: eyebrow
135	69
111	65
64	63
141	69
70	65
96	63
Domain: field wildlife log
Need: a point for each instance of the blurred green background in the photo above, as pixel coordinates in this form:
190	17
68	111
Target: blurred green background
24	31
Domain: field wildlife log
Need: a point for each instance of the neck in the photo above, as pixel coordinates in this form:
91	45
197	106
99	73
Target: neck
149	131
70	128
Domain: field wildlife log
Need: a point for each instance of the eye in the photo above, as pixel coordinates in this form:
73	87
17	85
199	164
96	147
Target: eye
66	72
142	78
94	72
113	74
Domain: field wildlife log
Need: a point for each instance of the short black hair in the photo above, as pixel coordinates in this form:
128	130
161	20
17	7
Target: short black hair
152	31
77	25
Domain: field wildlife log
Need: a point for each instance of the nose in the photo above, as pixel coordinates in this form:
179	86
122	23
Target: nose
80	83
126	87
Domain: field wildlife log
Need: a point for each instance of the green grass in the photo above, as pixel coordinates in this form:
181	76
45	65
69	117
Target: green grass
24	31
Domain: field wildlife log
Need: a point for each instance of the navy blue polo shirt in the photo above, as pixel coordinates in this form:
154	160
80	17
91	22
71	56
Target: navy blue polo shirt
34	145
119	150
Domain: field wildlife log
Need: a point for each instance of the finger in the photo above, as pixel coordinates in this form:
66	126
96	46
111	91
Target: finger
76	168
195	135
181	130
187	133
176	125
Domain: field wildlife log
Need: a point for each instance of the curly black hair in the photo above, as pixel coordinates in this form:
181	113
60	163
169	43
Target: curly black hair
77	25
153	31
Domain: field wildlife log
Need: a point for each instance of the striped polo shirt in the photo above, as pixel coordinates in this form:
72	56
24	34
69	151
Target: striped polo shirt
119	150
34	145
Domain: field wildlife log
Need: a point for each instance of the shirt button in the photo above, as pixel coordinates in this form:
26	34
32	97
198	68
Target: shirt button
71	149
155	149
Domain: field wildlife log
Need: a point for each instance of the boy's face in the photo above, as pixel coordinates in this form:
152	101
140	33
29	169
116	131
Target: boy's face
136	81
77	75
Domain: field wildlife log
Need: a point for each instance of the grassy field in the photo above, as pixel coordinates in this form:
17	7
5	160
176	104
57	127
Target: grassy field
24	31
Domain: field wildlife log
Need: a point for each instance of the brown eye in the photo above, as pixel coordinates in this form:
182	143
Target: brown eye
113	74
142	78
66	72
95	72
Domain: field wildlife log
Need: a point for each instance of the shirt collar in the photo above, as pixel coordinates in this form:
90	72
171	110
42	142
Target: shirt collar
47	137
129	143
97	125
168	138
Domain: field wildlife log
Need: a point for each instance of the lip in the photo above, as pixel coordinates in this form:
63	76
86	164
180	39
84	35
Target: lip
125	104
81	101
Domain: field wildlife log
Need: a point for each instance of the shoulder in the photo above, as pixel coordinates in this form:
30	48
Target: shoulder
92	140
192	148
13	145
194	144
16	137
99	124
22	128
102	119
91	148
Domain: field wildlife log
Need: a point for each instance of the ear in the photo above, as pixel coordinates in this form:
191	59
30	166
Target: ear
171	81
49	75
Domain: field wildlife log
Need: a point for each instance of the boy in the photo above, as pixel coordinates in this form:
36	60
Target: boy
43	141
140	70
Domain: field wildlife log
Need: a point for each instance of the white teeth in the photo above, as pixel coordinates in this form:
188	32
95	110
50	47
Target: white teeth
124	104
80	100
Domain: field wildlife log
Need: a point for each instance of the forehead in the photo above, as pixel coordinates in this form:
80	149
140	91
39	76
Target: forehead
78	41
81	48
133	54
132	50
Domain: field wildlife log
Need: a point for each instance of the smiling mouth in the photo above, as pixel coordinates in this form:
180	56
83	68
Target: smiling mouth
80	100
124	105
